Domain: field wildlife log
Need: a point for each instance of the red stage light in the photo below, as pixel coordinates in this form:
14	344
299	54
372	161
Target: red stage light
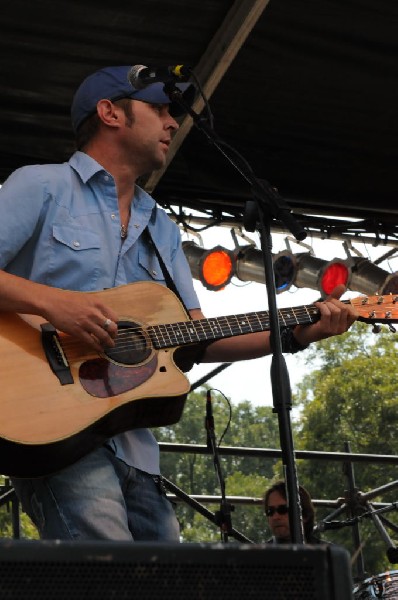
335	273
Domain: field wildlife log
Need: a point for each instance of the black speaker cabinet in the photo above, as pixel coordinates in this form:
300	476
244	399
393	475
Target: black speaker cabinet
39	570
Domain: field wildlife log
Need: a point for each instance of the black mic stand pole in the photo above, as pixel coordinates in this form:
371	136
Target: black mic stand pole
267	205
348	470
223	516
281	393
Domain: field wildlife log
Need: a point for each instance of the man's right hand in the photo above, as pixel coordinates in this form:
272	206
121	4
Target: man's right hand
81	315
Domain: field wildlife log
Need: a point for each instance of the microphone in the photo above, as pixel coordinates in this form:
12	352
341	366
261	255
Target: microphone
209	419
141	76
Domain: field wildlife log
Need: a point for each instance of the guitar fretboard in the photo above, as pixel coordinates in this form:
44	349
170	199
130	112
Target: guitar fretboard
200	330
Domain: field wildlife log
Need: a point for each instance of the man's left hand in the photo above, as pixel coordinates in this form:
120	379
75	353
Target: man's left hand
336	318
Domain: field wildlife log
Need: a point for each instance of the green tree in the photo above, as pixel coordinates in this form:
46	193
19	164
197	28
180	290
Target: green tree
27	529
351	396
246	426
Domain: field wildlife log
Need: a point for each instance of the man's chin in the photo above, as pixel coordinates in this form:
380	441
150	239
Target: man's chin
156	166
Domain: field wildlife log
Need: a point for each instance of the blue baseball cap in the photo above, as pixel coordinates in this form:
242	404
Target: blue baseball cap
112	83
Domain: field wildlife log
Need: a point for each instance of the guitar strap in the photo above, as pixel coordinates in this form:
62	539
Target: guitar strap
187	356
170	283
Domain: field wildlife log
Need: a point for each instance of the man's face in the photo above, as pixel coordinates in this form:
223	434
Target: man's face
148	134
278	523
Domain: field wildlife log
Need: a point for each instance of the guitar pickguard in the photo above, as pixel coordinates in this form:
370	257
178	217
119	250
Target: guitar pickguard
126	366
104	379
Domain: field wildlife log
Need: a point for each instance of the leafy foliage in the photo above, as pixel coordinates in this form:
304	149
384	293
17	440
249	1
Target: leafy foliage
350	402
250	427
27	529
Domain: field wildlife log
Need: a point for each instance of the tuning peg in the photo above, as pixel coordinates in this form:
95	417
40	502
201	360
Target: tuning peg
376	328
392	328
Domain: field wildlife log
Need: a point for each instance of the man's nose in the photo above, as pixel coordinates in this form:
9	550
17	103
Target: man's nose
173	124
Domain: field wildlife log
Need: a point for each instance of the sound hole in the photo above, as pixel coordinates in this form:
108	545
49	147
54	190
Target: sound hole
132	345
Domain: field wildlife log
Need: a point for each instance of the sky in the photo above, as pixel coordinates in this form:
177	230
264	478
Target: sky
250	380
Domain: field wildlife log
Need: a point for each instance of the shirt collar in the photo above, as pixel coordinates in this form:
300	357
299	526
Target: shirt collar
86	167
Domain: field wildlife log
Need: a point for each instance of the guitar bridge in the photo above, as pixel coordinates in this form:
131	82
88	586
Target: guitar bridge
54	354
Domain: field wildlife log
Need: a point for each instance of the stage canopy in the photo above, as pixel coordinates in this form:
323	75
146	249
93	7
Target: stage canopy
305	90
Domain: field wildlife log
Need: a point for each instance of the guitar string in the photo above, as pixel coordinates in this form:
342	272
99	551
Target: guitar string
167	334
170	334
208	326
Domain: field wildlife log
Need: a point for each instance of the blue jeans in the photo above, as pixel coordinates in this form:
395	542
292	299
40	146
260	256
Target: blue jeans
99	498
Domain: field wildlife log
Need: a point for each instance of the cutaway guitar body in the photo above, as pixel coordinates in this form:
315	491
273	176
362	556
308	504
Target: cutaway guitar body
60	400
45	425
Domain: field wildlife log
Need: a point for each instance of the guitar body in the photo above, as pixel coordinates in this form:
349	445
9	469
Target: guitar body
45	425
60	400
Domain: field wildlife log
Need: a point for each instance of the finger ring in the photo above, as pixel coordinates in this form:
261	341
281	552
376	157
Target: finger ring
106	324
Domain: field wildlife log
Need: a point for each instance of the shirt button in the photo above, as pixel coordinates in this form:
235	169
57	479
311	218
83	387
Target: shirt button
136	225
113	217
76	244
106	177
154	272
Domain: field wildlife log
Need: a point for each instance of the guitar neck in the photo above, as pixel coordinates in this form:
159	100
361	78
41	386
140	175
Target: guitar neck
201	330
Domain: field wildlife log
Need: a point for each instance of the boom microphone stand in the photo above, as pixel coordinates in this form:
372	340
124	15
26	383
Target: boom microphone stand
202	510
223	516
267	205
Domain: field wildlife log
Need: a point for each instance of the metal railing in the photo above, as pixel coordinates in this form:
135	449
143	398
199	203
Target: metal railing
355	502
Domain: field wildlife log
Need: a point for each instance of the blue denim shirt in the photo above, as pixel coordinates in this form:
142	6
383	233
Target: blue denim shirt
60	226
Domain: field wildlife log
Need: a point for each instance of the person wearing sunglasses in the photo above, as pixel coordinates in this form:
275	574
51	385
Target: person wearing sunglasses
277	512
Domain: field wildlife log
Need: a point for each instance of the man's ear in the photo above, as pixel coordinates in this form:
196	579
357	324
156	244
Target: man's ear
108	112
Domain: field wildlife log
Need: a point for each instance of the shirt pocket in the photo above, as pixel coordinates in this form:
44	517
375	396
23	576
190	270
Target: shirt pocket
75	259
76	239
150	266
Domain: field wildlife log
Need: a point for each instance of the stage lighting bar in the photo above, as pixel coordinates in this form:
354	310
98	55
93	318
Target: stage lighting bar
216	267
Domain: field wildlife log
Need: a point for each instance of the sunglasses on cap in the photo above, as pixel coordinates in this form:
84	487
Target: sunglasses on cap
282	509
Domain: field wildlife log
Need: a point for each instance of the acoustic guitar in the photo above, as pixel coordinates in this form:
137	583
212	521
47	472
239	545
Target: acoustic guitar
60	399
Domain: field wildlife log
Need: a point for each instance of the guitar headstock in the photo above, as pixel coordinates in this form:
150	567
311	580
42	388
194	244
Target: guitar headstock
377	309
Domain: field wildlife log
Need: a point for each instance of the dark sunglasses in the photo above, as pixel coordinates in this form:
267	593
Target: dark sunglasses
282	509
